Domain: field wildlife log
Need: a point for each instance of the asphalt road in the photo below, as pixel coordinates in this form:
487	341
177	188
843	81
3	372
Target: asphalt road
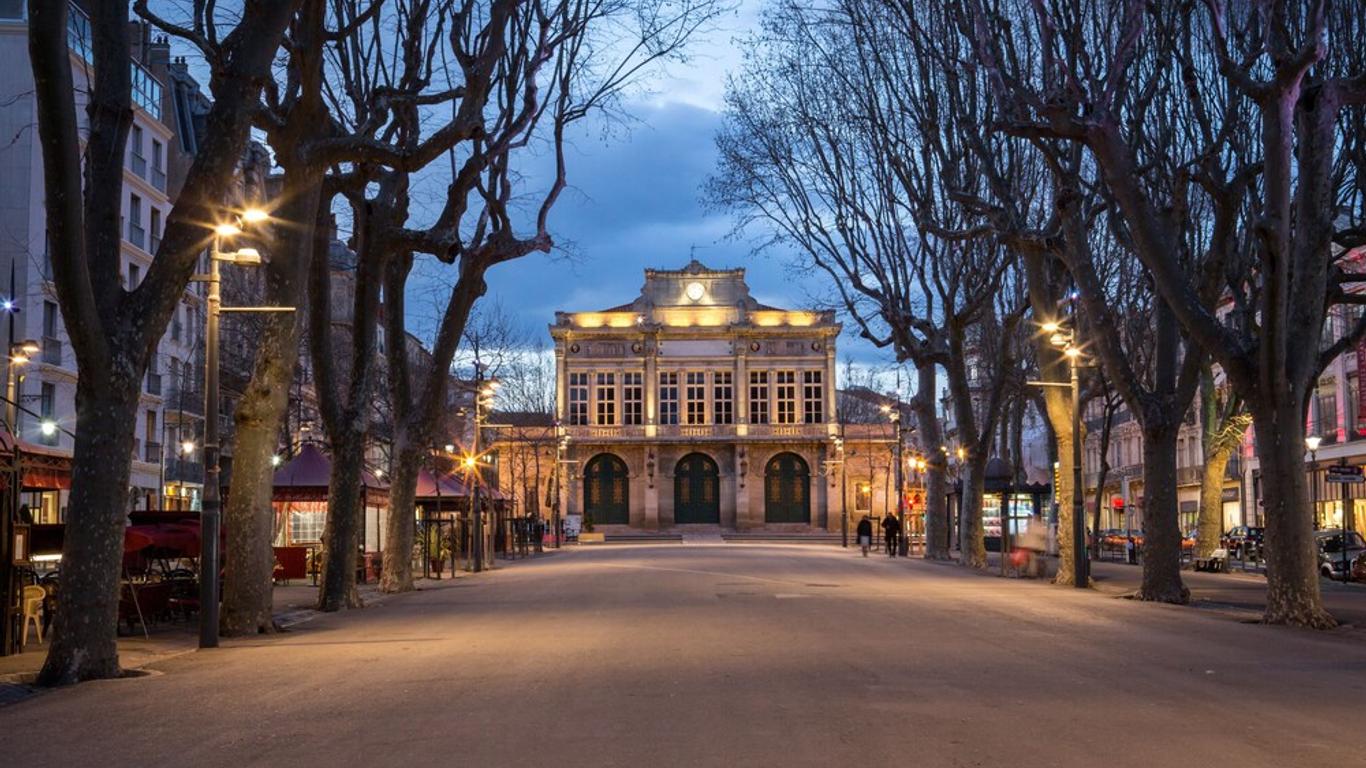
730	655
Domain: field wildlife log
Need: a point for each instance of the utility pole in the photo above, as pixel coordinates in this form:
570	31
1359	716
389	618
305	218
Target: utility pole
478	514
1081	562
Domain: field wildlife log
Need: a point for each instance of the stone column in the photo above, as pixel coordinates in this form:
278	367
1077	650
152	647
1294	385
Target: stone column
742	486
561	383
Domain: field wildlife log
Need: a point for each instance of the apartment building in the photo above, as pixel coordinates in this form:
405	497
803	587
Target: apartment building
167	105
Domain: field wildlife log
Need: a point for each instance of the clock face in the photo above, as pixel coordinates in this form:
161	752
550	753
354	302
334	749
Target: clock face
696	291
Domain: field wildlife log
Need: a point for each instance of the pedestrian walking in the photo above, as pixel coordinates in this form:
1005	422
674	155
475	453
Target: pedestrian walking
1033	541
865	534
891	529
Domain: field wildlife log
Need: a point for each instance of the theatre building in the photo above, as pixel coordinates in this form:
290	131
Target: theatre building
696	404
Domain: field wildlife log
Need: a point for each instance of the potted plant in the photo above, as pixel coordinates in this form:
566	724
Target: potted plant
438	550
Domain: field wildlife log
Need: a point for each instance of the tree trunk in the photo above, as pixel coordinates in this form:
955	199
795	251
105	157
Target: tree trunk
84	633
1058	406
401	526
345	505
970	542
1211	526
1161	519
936	487
249	560
1292	574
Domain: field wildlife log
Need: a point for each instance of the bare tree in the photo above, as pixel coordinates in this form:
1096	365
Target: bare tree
552	63
1255	109
114	331
832	145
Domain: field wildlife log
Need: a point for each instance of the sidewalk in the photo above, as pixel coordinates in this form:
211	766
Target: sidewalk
1238	592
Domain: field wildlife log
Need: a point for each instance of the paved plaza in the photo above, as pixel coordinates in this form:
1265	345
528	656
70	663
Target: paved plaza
731	655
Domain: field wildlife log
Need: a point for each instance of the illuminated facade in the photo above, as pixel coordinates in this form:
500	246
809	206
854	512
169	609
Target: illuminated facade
695	404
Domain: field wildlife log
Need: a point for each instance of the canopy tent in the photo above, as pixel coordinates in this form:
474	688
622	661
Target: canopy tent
300	497
41	467
444	493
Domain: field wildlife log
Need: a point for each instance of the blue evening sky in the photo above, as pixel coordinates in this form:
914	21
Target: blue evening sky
635	203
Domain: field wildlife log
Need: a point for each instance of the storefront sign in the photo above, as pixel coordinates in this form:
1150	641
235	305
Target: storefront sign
1230	494
1338	473
1361	391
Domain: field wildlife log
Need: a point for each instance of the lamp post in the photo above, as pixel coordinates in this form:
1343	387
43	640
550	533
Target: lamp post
210	517
1062	337
1311	444
19	355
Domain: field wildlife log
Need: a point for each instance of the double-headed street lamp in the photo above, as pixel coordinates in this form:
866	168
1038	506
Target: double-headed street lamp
210	517
19	355
1059	335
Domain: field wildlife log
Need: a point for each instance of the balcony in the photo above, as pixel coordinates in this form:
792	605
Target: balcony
52	351
184	471
189	401
152	453
146	88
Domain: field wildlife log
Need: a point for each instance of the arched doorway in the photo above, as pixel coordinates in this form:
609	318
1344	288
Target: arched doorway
605	491
697	490
787	490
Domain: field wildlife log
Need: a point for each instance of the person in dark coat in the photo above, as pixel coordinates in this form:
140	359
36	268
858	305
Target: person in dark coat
891	529
865	534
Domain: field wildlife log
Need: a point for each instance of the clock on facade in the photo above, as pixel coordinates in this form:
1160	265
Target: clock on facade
695	291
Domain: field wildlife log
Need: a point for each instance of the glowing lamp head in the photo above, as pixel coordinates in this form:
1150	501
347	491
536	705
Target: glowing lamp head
1072	352
29	347
469	462
1051	327
275	460
7	305
450	448
48	428
1312	442
227	229
187	446
19	358
254	215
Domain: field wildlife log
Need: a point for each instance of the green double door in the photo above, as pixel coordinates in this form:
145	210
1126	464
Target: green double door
787	490
697	490
606	491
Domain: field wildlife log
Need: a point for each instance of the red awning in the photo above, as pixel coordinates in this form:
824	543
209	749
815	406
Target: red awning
306	478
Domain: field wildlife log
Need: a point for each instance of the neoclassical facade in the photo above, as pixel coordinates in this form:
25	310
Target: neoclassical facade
696	404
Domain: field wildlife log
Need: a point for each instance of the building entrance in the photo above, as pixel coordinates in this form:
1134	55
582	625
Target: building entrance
606	491
697	491
787	490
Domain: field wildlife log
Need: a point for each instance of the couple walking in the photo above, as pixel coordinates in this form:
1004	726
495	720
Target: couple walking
891	531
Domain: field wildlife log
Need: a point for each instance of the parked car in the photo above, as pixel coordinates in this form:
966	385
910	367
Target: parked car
1331	561
1359	568
1243	541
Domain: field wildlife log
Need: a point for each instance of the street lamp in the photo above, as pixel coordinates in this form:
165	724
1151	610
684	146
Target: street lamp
1311	444
1061	336
19	355
210	516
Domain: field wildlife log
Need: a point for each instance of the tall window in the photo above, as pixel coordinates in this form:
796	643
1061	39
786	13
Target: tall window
812	413
607	399
134	276
578	398
154	230
668	397
632	399
786	396
723	398
158	166
758	397
696	397
49	319
1328	416
135	231
136	159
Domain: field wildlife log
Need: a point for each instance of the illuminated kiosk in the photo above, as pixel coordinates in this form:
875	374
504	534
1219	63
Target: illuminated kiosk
696	404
